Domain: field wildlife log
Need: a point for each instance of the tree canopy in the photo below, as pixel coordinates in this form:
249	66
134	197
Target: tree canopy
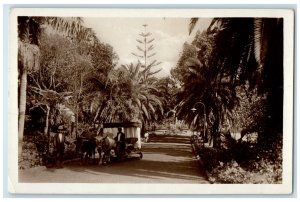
233	54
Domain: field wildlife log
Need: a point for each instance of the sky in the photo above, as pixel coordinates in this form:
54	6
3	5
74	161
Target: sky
169	34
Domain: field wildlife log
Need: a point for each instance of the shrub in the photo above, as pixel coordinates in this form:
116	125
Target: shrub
34	152
210	157
266	172
230	172
241	163
30	156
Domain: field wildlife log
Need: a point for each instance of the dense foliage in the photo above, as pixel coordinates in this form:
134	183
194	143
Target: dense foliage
240	162
76	82
225	76
227	68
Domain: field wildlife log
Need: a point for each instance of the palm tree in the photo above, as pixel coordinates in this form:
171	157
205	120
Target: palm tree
201	84
250	41
251	49
145	94
202	80
109	97
29	29
127	93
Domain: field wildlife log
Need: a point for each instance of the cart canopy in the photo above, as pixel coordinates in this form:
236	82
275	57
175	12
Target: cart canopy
122	125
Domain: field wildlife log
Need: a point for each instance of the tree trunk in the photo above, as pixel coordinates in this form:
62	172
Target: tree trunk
47	121
76	121
77	105
72	128
22	109
46	130
216	132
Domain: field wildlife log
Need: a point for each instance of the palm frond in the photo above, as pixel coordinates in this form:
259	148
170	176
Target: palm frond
193	22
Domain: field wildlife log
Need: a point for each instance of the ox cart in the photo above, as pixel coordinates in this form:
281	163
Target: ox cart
132	131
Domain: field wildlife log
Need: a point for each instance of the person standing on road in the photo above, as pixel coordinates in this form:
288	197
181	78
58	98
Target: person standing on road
146	137
120	140
59	146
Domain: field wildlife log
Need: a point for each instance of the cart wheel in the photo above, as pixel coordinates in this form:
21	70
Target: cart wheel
141	155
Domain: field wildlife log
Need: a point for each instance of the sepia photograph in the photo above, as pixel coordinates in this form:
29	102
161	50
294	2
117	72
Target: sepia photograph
145	101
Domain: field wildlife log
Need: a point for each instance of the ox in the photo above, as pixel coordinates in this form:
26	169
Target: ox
105	145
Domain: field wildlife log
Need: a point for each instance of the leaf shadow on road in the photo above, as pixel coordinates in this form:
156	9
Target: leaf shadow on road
170	139
170	150
145	169
166	159
162	162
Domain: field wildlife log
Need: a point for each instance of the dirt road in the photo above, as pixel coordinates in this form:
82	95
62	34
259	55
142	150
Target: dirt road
166	160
